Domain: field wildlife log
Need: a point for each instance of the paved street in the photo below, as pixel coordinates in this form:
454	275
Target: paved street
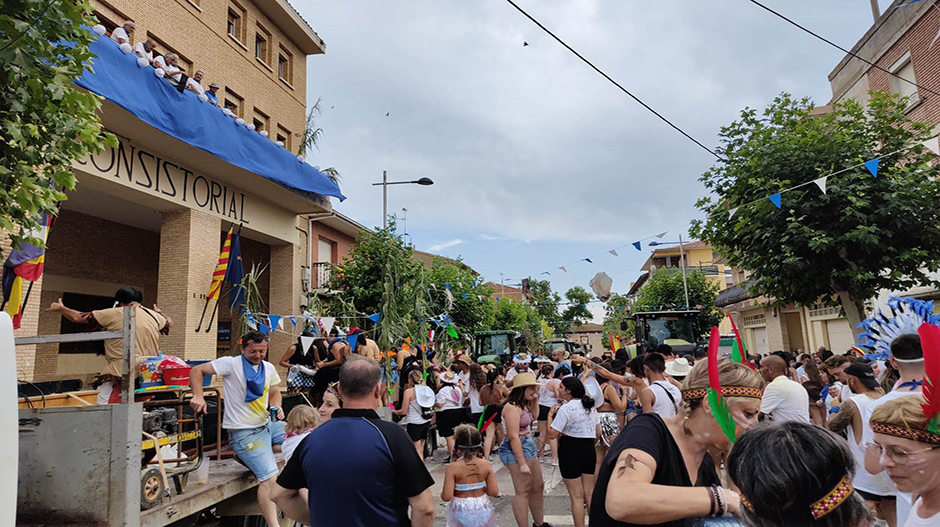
557	505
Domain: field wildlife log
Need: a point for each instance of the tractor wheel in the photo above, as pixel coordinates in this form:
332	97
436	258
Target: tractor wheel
151	488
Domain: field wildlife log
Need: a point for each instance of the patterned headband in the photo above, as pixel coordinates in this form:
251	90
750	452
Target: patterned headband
906	433
824	506
726	391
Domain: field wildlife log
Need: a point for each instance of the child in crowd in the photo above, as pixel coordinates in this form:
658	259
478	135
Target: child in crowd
468	481
301	420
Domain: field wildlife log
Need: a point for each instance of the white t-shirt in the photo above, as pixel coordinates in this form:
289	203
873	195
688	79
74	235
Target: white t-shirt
475	406
290	444
868	435
450	396
662	404
119	33
512	373
573	420
141	52
171	71
914	520
240	415
196	86
878	484
785	400
546	395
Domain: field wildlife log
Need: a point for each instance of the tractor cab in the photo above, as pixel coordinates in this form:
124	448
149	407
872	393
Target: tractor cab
495	347
675	328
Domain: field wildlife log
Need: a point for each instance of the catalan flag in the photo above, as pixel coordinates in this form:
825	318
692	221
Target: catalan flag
23	265
218	277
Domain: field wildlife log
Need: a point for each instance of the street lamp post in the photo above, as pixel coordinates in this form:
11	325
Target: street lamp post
385	183
685	283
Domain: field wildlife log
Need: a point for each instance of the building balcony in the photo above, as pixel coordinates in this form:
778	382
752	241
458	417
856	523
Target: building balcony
176	148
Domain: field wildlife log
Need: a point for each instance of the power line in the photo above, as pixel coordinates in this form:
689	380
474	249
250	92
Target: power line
615	83
833	44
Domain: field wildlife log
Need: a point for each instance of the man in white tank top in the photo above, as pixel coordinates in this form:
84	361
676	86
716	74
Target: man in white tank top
661	397
875	488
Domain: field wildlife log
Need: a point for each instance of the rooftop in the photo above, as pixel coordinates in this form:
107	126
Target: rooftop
289	20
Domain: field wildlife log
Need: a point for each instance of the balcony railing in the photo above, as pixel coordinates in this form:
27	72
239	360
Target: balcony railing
709	270
320	274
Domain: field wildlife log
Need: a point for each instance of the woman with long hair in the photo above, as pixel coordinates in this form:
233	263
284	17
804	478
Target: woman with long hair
659	471
448	408
576	426
908	448
492	396
548	396
299	364
791	473
419	420
327	368
814	385
518	452
331	401
614	403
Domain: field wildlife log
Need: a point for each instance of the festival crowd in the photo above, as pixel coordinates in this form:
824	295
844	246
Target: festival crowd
658	439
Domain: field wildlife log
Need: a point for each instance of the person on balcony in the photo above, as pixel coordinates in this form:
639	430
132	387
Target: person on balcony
169	63
150	324
194	83
145	49
213	94
123	34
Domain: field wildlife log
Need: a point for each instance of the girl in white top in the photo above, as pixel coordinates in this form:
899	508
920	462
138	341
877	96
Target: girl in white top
577	426
301	420
448	406
418	424
547	399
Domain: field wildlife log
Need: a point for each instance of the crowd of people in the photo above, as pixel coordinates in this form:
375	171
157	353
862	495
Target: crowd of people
636	441
168	67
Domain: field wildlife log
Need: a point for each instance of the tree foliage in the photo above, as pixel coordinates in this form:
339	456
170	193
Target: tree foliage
546	302
618	310
577	312
46	121
864	234
664	289
470	314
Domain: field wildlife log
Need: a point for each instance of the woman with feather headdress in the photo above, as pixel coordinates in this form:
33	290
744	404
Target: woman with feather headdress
659	471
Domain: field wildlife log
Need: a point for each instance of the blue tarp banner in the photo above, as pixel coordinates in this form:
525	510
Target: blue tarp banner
153	100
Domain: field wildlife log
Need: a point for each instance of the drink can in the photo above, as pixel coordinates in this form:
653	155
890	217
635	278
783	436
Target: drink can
273	411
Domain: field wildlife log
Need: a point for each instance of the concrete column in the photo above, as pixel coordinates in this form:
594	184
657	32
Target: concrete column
189	251
284	295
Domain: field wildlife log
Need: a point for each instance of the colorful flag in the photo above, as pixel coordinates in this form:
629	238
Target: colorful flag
614	343
24	264
218	277
236	273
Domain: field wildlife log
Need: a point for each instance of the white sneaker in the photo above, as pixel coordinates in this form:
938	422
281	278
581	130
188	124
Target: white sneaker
554	462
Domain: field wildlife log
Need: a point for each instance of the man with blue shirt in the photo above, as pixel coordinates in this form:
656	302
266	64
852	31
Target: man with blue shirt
359	470
251	387
212	94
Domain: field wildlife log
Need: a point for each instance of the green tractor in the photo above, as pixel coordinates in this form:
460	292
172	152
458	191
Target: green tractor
551	345
496	347
675	328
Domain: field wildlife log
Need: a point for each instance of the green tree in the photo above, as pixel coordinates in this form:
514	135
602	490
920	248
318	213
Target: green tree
617	311
545	301
577	312
46	121
665	289
842	246
471	313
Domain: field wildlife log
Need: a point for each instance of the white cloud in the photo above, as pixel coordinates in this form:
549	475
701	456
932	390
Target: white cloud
490	238
441	246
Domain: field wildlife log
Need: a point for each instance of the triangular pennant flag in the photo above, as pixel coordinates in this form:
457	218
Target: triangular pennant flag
775	199
327	324
479	297
352	342
305	343
548	273
563	268
449	297
446	285
637	246
275	321
452	331
433	287
293	321
731	212
465	295
588	260
872	166
660	235
613	252
375	318
497	299
474	284
263	329
934	41
933	144
821	183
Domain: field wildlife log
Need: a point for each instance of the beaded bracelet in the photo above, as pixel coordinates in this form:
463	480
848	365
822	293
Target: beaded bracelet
711	499
718	497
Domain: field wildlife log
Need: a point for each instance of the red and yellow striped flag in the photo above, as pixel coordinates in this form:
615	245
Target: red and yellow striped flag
218	277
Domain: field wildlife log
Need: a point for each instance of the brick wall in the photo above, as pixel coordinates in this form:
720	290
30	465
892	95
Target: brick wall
342	242
197	31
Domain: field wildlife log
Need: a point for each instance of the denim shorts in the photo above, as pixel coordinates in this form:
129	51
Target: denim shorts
254	447
505	450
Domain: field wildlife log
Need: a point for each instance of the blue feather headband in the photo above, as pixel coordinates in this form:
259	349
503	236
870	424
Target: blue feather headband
903	317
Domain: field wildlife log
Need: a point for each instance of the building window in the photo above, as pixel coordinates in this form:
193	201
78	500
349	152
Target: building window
82	303
260	120
162	49
109	26
904	68
235	26
285	66
233	99
283	135
261	48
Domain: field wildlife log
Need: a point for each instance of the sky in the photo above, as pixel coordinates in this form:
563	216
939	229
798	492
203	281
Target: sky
537	160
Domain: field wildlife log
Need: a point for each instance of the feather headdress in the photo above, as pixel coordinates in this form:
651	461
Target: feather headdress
903	317
930	343
738	351
715	399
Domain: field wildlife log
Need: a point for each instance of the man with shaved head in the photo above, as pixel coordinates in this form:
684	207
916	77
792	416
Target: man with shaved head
784	399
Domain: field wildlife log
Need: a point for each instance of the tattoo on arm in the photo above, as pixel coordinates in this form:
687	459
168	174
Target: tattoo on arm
625	464
843	419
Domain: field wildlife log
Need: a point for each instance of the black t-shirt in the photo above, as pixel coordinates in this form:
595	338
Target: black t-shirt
648	432
360	471
299	357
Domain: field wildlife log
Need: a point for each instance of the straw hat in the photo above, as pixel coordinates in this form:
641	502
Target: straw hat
425	396
678	368
523	379
448	377
464	358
